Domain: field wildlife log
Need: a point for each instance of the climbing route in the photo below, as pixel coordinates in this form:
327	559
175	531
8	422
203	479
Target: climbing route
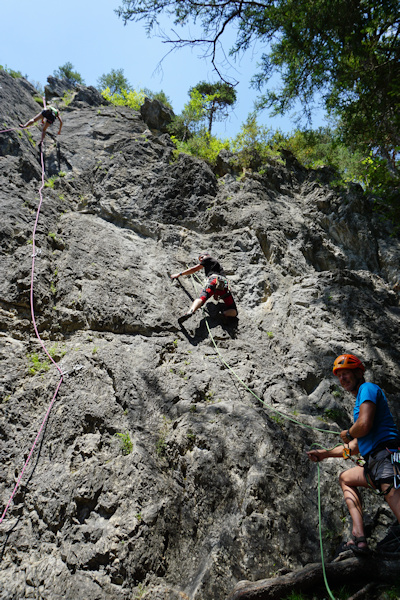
34	255
287	417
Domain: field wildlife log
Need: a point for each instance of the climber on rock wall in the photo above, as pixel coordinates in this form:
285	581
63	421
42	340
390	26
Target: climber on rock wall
375	436
216	285
48	116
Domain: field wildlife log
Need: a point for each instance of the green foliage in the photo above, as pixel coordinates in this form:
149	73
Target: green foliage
324	147
115	81
277	419
125	442
14	74
37	365
67	73
252	145
68	97
190	435
215	99
141	590
384	186
347	53
51	180
161	444
203	145
190	120
295	596
57	353
132	98
161	96
208	103
30	137
392	593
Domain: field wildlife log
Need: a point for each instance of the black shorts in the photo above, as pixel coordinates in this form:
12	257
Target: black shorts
49	116
379	467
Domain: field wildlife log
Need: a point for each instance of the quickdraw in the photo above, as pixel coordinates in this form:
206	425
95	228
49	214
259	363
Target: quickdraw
395	460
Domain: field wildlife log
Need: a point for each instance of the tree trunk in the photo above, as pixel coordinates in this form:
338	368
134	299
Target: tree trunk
310	578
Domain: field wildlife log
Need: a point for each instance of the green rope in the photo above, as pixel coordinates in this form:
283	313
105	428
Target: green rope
283	415
293	421
320	536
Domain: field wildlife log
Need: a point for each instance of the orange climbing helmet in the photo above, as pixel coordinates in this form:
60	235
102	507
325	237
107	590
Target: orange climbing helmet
347	361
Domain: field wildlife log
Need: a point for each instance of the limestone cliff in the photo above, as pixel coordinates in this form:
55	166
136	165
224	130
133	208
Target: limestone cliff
215	486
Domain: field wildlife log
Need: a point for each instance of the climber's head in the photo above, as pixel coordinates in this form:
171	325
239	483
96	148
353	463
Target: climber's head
347	361
203	256
350	372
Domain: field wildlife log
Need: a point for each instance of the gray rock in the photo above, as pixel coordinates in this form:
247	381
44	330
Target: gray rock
88	96
161	471
156	114
56	88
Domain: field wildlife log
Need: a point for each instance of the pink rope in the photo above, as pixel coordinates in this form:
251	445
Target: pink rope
43	346
33	267
5	130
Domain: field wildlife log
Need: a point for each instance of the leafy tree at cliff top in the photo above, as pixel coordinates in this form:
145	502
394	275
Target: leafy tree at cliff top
216	97
115	80
346	51
66	72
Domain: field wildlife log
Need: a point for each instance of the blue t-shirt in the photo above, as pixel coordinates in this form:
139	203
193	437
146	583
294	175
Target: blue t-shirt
383	427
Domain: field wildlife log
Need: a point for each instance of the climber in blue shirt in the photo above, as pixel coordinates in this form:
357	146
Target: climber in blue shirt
375	436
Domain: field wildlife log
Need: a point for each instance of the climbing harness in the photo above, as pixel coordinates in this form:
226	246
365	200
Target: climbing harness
373	485
50	114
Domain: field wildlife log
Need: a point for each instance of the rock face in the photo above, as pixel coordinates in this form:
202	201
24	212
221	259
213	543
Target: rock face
159	474
156	115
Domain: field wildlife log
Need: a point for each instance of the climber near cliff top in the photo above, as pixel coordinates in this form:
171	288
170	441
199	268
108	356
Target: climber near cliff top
48	116
375	436
216	285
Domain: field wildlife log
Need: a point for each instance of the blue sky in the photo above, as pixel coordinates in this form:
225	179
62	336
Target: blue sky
88	33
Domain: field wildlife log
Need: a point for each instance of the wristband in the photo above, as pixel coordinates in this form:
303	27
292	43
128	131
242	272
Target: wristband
180	274
349	436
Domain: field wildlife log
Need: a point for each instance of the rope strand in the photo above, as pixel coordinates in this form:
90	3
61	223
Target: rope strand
42	345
